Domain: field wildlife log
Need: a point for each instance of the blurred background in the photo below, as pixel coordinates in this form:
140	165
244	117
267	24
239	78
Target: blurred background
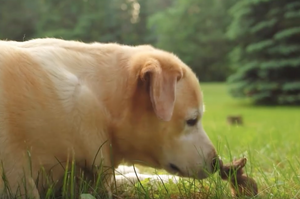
253	45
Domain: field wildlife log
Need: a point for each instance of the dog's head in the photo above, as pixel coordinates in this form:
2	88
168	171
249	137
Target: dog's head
164	128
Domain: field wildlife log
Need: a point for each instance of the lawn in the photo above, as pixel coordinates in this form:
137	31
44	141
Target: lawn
269	138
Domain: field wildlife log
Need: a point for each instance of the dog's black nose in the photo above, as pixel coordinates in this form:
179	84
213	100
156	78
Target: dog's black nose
216	164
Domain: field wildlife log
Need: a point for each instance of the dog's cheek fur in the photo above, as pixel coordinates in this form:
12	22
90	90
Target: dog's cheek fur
148	140
189	148
138	139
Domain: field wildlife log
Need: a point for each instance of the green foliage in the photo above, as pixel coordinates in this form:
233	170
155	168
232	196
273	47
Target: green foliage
287	33
86	20
284	49
194	30
267	62
92	20
18	19
259	46
87	196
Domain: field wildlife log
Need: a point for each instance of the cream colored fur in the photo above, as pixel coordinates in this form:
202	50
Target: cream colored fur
62	100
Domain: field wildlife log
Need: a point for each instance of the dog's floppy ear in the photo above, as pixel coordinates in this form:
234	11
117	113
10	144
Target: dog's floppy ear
162	89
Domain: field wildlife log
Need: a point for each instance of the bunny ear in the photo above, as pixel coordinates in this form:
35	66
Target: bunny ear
243	162
240	163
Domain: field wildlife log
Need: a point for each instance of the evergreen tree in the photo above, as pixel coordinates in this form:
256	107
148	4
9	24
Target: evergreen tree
195	31
267	52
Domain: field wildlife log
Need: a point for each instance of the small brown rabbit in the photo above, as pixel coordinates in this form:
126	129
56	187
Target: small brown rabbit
235	119
240	183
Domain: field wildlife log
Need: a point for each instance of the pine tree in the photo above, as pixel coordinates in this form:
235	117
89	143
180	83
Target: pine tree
267	52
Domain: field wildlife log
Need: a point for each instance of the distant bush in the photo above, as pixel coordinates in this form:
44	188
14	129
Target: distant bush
267	55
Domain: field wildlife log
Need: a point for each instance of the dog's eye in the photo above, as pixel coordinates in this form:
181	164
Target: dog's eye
192	122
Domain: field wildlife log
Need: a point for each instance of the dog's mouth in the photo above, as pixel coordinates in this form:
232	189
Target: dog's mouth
201	174
174	168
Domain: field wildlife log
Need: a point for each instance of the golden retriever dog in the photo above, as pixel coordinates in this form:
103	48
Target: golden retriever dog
64	100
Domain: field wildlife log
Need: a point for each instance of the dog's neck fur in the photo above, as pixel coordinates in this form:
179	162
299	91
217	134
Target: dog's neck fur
120	80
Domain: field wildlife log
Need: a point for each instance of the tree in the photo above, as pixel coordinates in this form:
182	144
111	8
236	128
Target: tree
122	21
267	55
18	19
90	20
195	31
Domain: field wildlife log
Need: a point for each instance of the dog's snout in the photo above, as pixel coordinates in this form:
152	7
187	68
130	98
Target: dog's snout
216	163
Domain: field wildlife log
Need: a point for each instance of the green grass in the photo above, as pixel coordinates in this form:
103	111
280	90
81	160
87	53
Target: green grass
269	138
